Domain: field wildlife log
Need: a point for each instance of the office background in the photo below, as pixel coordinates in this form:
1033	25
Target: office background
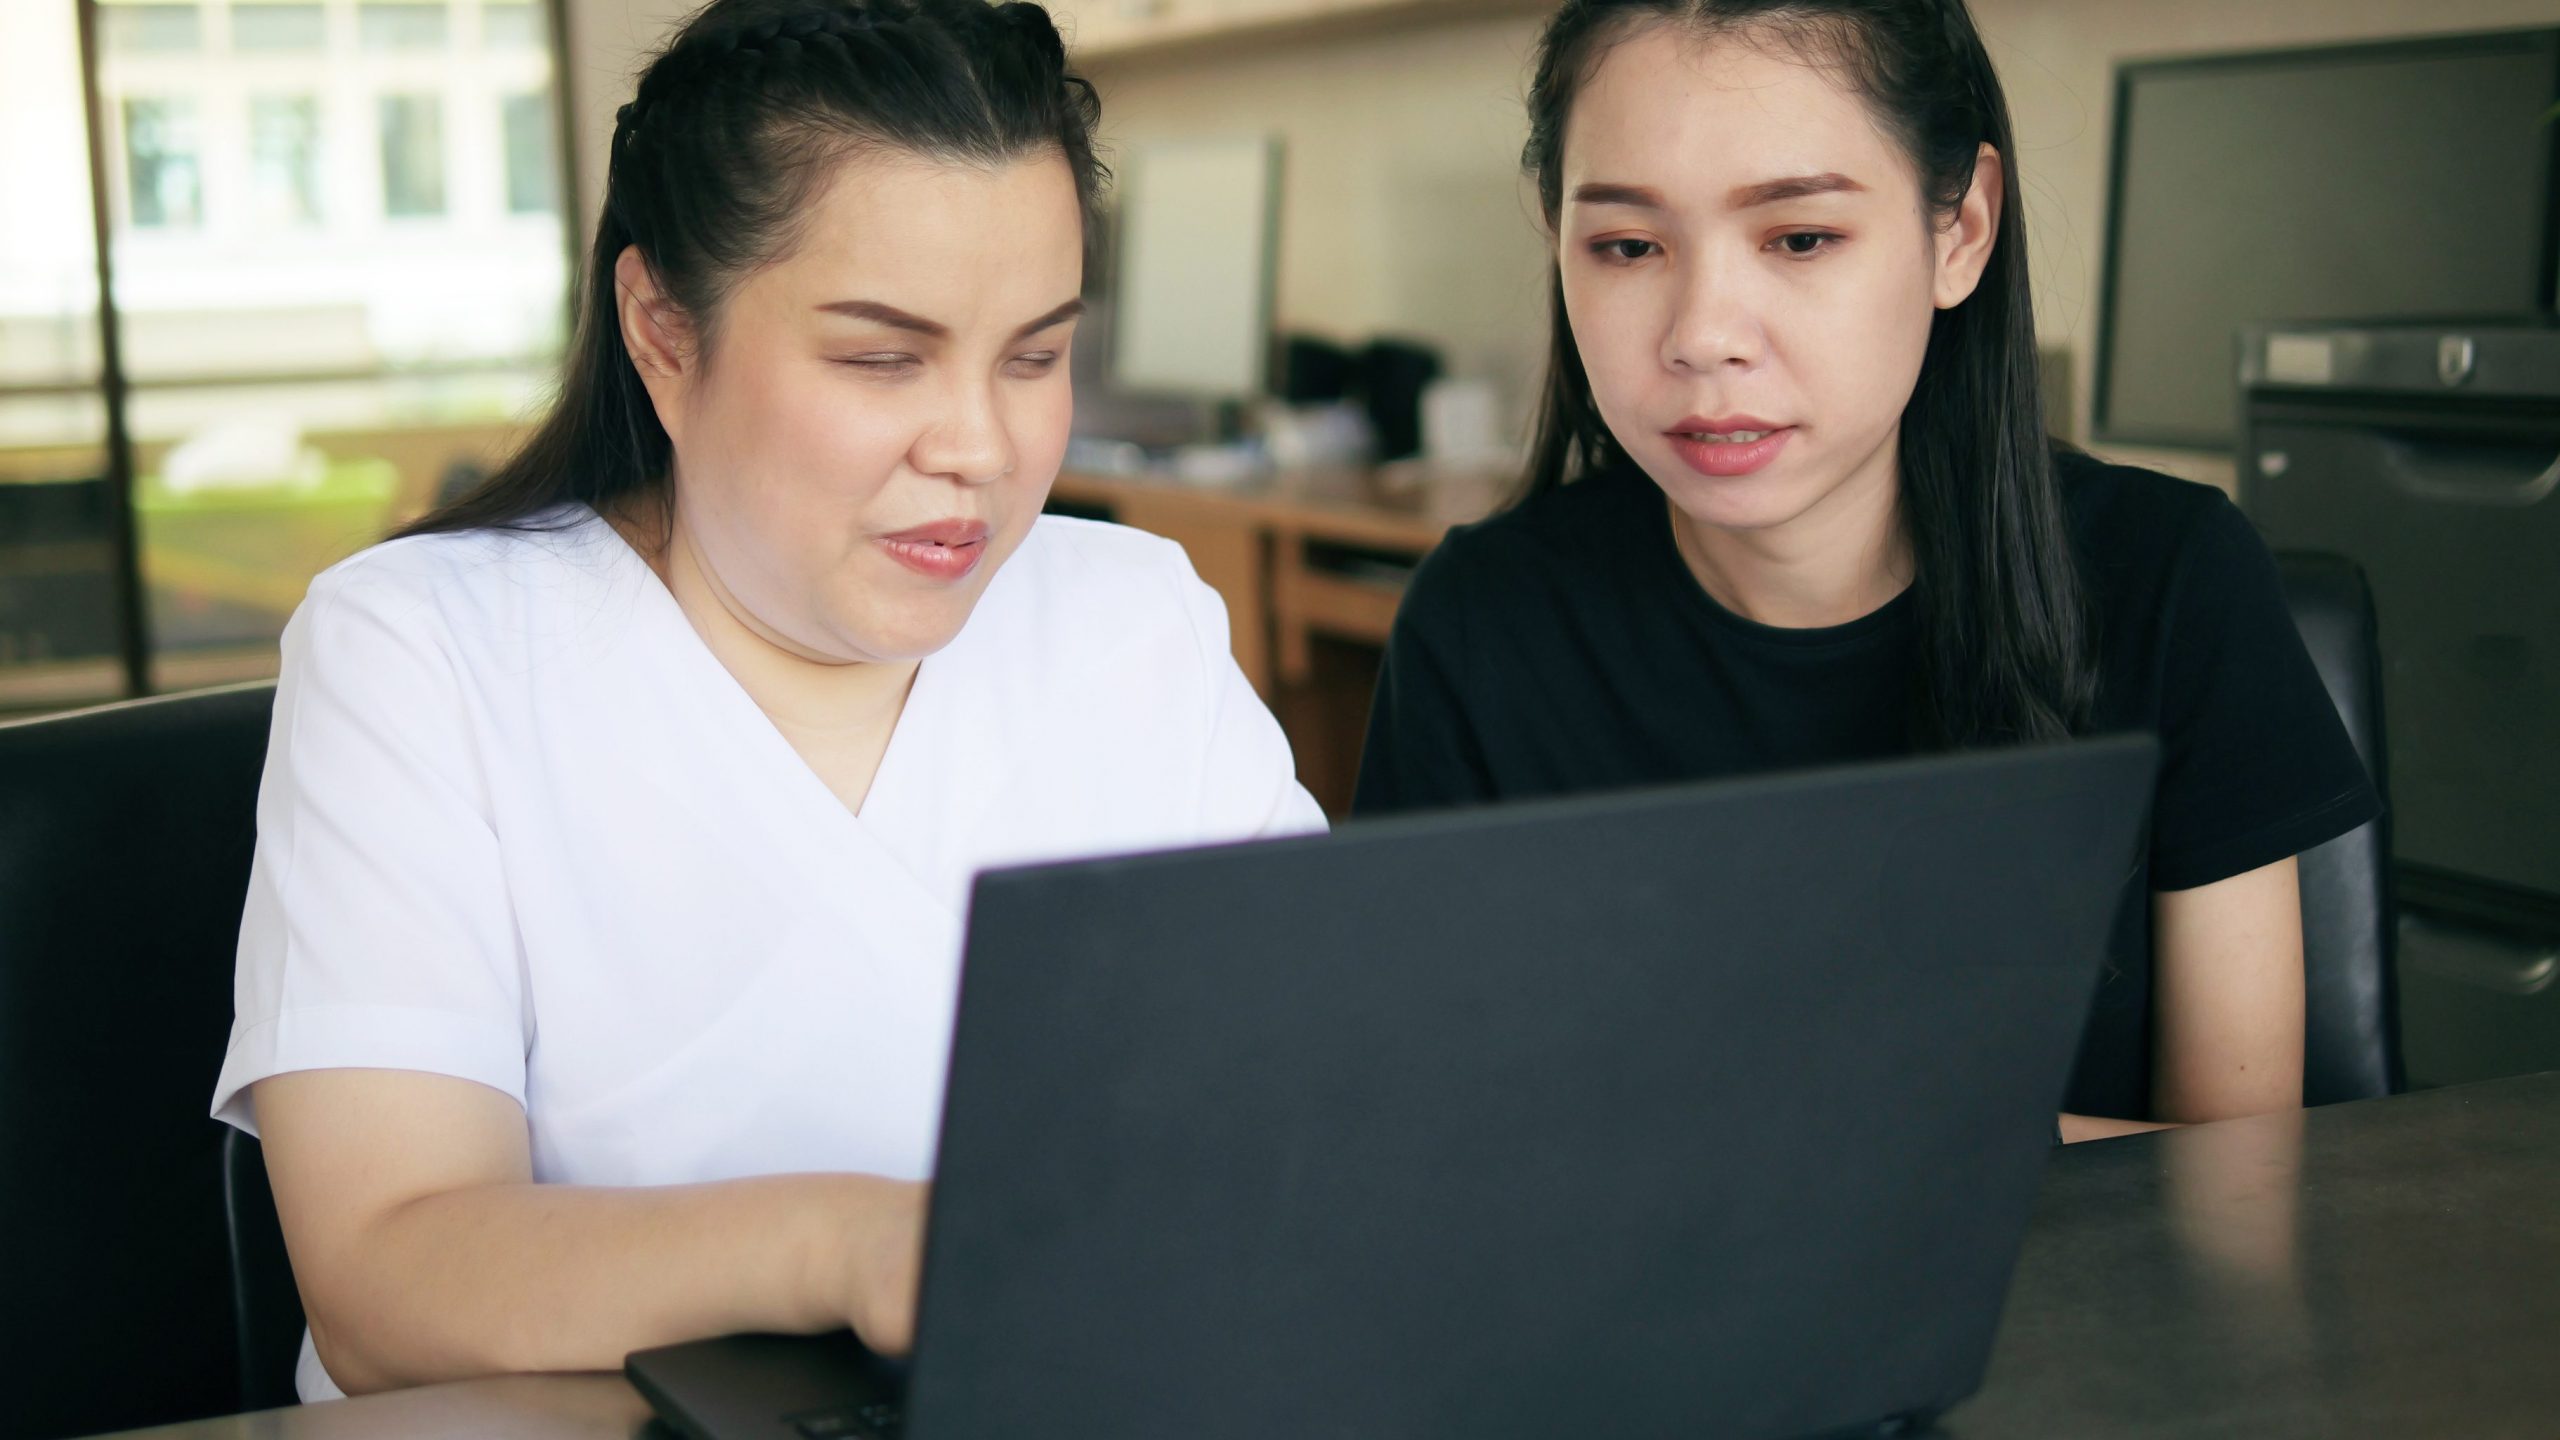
337	227
1403	211
341	232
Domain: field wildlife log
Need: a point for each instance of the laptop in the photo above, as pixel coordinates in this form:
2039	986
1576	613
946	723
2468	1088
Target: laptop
1713	1110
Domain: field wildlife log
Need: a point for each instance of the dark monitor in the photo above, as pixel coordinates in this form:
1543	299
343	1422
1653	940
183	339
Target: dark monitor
2411	181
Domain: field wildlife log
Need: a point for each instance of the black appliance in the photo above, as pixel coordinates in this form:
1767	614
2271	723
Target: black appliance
2431	456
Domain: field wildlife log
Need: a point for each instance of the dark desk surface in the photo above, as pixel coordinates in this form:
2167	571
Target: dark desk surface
2387	1268
2390	1268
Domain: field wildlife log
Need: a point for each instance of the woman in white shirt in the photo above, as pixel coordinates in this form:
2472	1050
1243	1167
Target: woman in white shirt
597	973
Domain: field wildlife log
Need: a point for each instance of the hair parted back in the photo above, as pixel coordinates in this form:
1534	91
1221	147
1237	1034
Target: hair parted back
736	127
2005	649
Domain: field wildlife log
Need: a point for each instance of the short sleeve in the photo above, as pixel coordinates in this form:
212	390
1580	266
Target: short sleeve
1422	754
378	932
1251	788
2256	765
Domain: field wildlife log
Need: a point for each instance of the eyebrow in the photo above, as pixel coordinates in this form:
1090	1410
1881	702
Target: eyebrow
1794	187
1743	197
1633	196
897	319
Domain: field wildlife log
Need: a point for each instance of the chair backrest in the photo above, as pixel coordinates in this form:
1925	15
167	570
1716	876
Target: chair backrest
2349	922
266	1306
125	840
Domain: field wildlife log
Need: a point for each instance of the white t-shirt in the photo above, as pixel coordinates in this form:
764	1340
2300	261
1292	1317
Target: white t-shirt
520	826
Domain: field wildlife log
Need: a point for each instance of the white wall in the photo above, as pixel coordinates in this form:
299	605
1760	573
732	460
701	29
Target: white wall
1402	210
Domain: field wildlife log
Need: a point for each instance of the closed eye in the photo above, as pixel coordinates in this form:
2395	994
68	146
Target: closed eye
1032	367
883	364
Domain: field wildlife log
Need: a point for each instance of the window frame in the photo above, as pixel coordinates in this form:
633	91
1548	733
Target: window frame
110	213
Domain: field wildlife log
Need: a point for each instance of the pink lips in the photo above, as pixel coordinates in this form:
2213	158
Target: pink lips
1725	459
943	550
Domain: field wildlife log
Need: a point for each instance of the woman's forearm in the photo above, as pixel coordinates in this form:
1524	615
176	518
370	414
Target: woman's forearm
522	1277
2076	1128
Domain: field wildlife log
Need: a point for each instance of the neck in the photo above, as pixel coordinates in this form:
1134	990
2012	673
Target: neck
808	694
1844	559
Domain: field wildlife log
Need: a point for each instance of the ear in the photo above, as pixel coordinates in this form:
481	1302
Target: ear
1964	246
654	333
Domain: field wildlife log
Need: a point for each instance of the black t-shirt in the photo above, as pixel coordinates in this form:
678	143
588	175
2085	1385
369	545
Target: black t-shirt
1564	647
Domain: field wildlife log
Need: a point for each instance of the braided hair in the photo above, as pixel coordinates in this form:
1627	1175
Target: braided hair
734	129
2005	651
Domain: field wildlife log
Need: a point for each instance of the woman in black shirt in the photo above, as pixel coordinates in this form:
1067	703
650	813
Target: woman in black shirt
1793	504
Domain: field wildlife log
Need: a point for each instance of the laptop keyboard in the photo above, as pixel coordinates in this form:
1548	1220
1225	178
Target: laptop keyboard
878	1421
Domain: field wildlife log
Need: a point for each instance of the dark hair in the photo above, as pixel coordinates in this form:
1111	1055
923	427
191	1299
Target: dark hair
736	126
2005	649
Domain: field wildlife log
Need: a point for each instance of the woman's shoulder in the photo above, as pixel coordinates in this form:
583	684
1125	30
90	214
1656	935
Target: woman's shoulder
1094	639
1090	571
1556	524
1084	590
569	542
1539	552
470	590
2116	508
1091	550
2140	530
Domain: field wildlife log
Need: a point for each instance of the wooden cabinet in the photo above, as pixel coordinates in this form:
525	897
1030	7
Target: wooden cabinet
1107	30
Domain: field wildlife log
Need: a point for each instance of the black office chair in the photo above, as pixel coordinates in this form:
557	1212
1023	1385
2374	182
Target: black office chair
2350	923
266	1306
125	840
